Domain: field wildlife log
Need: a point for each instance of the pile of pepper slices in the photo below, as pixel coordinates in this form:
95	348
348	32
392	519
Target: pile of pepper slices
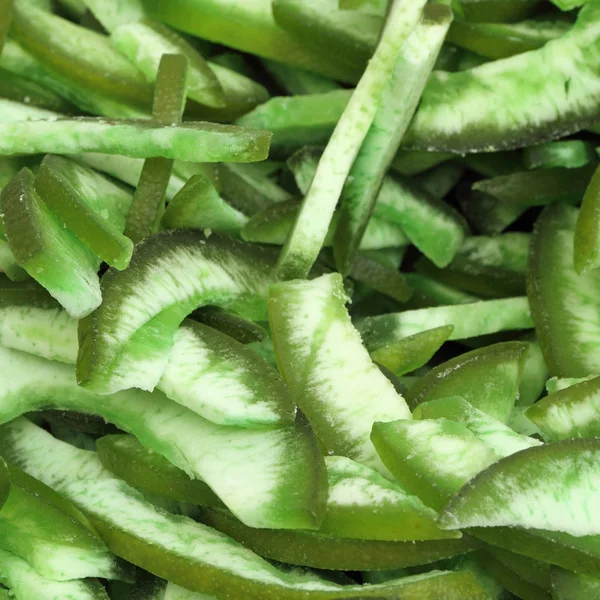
299	299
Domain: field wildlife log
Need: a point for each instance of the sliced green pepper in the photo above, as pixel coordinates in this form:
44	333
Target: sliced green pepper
560	297
566	585
570	154
147	206
533	571
342	395
240	329
149	472
298	81
496	11
488	378
534	374
441	179
413	162
89	205
586	251
5	483
429	292
51	254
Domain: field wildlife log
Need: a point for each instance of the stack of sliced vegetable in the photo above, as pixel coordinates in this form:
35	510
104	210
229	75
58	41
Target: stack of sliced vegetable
299	300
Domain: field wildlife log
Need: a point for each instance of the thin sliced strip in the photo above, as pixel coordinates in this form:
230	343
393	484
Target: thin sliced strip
25	583
126	341
48	251
148	204
570	154
89	205
473	110
564	304
488	378
331	375
271	477
5	483
222	381
551	487
385	280
298	81
193	142
586	251
398	103
236	327
571	412
469	320
311	226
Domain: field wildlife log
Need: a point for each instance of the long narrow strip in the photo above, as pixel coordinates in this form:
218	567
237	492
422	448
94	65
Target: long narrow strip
586	250
309	231
5	16
398	104
147	206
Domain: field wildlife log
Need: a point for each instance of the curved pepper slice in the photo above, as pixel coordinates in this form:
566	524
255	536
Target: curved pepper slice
547	487
89	205
125	343
269	477
149	472
48	251
487	378
563	304
25	583
331	375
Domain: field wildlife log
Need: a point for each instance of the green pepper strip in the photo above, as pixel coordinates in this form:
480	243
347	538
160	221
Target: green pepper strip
398	103
5	483
586	251
570	154
147	205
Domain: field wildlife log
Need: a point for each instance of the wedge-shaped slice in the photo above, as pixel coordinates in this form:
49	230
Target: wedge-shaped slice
25	583
431	459
48	251
469	320
487	378
32	321
551	487
198	205
223	381
567	585
560	80
126	342
89	205
271	477
150	472
493	433
570	412
54	544
332	377
563	304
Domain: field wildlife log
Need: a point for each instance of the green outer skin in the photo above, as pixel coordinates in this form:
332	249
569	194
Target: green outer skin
494	164
19	61
49	252
321	551
310	228
431	459
144	43
538	187
50	541
567	585
534	374
5	483
493	433
570	154
545	487
383	279
412	352
5	18
572	412
148	204
555	384
80	54
329	372
218	21
414	162
487	214
441	179
150	473
223	381
290	454
298	121
398	104
469	320
496	11
193	142
343	37
563	304
198	205
26	584
474	110
428	292
487	378
499	40
126	341
298	81
529	569
94	219
242	330
581	553
512	581
586	250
